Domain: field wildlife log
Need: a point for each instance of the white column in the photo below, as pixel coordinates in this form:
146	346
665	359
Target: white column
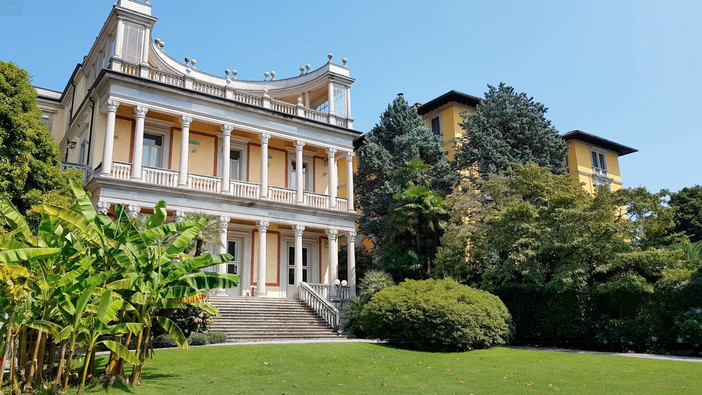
298	257
139	114
332	177
299	175
349	180
351	261
226	158
348	102
264	164
261	278
330	99
222	267
108	146
333	258
184	150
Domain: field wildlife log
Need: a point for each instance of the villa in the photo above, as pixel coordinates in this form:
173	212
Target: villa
272	159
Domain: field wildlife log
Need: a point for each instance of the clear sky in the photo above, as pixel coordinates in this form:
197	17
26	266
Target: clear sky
629	71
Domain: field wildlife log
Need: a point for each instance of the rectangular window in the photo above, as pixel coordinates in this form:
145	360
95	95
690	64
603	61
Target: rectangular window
435	124
235	165
292	181
324	107
599	162
339	100
233	250
132	42
152	151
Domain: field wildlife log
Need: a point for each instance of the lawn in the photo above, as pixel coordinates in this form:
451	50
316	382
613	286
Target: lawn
347	368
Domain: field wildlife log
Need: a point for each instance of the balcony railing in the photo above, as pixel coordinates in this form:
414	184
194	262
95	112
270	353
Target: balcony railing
169	178
226	92
83	169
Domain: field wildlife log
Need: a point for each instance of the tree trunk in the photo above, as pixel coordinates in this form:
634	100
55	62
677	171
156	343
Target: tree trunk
86	365
68	365
135	368
8	347
59	369
42	359
34	363
120	362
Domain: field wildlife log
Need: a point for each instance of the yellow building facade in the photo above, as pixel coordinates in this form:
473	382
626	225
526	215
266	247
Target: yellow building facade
592	160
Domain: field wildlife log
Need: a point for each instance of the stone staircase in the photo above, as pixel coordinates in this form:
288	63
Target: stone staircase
267	319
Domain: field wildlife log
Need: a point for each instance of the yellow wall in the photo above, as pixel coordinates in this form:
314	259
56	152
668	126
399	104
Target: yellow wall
272	264
321	178
341	168
450	120
580	165
202	157
277	166
123	140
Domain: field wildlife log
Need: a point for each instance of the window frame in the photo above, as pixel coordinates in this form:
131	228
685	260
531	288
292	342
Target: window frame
437	116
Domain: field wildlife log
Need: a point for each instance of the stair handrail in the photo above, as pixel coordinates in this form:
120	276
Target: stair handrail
320	305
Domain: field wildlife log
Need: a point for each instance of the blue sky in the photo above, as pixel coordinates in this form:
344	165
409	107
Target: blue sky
629	71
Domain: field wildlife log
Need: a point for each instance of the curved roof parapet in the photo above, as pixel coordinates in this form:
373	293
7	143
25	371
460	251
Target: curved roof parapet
166	63
620	149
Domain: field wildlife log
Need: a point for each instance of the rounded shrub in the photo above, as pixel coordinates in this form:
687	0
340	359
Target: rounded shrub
216	337
197	339
163	340
437	315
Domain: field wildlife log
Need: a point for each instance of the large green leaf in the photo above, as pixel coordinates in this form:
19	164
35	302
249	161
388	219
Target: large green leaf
14	218
126	327
104	305
76	271
12	245
83	201
158	216
179	269
181	242
172	329
25	254
167	229
75	221
121	284
207	280
121	351
45	326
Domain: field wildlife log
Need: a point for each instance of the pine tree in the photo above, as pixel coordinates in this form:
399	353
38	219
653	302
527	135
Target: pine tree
509	128
29	158
399	137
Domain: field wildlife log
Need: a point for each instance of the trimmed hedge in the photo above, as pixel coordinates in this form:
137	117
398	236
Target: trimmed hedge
437	315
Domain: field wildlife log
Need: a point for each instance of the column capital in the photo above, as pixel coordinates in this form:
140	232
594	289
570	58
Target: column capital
262	226
298	230
331	152
350	155
140	111
227	129
351	237
185	121
133	210
111	105
103	206
264	137
223	223
299	144
332	234
179	216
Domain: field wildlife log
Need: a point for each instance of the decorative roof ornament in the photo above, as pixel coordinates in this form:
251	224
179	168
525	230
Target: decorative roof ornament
265	75
272	75
226	76
307	67
344	61
234	74
330	56
302	70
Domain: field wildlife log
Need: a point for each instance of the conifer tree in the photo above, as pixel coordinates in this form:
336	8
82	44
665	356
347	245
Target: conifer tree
509	128
29	158
399	137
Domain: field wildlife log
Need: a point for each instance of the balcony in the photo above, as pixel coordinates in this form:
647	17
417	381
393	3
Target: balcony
225	91
169	178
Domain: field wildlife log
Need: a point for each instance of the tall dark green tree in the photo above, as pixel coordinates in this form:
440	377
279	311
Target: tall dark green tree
29	158
687	205
399	137
509	128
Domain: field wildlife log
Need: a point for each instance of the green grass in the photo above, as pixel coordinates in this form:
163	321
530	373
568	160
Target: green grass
352	368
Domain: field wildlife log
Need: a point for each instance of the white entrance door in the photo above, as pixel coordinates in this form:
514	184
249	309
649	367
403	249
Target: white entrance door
291	268
234	266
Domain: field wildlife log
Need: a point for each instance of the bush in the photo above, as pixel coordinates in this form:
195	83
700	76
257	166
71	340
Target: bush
625	335
373	282
437	315
197	339
190	319
163	340
688	329
216	337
